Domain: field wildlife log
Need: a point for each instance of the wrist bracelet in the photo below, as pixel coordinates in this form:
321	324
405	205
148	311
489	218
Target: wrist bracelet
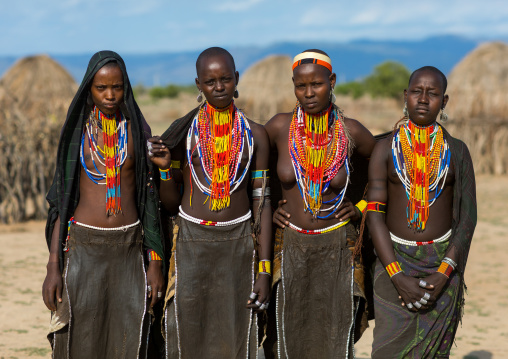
362	206
153	256
445	269
165	174
265	267
450	262
393	268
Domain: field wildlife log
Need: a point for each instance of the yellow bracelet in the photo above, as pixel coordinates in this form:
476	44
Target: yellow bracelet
265	266
361	205
393	268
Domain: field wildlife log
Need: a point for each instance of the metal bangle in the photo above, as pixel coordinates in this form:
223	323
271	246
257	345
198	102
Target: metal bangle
258	192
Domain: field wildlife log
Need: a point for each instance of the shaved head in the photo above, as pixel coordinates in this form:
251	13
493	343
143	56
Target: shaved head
213	52
431	69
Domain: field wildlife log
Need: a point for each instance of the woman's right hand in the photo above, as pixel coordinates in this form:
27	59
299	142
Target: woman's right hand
52	286
158	153
411	292
280	216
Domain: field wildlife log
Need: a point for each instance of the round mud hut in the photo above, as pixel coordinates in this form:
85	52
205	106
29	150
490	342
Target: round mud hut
478	106
35	94
266	88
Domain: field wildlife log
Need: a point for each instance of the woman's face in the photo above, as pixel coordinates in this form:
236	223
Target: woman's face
313	84
217	80
107	89
425	97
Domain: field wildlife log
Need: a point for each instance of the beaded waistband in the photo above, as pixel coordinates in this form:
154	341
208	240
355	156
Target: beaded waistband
122	228
214	223
413	243
318	231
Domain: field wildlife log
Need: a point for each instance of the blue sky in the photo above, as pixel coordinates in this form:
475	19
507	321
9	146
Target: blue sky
144	26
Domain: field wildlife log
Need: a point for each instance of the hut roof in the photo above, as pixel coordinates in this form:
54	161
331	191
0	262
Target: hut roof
39	86
478	85
266	88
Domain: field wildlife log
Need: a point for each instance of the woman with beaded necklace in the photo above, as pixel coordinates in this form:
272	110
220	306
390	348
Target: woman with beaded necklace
421	215
218	274
317	297
98	286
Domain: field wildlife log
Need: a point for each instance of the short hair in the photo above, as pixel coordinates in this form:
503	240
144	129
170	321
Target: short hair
433	69
211	52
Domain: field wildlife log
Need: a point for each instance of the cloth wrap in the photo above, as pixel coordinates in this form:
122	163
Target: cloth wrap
210	279
63	196
318	291
102	314
400	333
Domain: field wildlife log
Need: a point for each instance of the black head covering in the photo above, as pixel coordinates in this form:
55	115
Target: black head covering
63	195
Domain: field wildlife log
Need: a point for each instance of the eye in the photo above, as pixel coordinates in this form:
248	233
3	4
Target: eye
100	87
226	79
209	82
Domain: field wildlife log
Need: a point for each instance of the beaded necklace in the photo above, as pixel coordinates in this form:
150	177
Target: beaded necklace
421	157
112	155
318	146
219	139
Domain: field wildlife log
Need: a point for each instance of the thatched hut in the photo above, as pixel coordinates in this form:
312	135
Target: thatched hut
266	88
478	106
34	96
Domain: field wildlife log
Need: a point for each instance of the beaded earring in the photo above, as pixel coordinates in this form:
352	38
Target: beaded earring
200	97
405	111
235	95
444	116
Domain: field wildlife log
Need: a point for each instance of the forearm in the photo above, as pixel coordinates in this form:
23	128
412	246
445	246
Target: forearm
54	250
169	195
381	238
265	232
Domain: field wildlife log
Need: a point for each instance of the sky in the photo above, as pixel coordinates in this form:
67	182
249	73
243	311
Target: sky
148	26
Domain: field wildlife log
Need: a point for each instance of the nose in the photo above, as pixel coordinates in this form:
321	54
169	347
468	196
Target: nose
110	94
423	98
309	92
219	86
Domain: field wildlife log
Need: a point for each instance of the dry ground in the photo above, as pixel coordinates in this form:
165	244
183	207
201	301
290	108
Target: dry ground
483	334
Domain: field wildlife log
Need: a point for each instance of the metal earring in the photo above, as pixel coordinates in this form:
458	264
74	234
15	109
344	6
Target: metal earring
444	116
200	97
333	98
235	95
405	111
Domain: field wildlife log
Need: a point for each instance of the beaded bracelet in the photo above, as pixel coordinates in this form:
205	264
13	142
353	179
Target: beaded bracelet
153	256
165	174
362	206
376	207
265	267
445	269
393	268
450	262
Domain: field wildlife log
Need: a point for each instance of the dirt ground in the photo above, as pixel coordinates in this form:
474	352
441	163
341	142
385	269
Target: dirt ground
483	334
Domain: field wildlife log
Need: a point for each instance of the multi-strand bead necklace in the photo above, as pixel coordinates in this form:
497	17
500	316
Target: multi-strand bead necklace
112	155
318	146
421	157
220	136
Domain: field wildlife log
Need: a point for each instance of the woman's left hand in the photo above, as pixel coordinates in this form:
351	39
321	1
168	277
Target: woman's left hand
155	281
260	297
347	210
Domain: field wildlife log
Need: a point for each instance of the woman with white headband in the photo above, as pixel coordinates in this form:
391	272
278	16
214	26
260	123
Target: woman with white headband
319	282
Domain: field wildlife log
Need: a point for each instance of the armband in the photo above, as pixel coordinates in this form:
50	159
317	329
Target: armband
376	207
258	192
258	174
362	205
153	256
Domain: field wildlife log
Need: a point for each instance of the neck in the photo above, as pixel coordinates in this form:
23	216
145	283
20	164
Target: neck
433	124
220	109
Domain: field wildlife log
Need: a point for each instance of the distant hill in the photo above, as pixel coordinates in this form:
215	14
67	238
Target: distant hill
351	61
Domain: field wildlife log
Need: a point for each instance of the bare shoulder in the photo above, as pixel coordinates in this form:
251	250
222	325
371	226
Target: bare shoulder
355	127
277	123
383	147
258	131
